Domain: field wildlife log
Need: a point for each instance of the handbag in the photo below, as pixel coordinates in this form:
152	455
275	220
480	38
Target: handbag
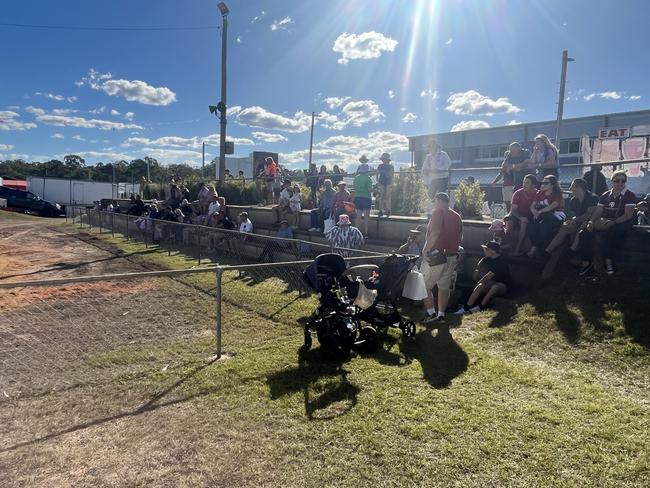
414	286
365	297
436	258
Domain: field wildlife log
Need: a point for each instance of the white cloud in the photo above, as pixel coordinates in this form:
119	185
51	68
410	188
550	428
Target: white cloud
334	102
345	150
472	102
409	117
261	118
71	99
634	97
470	124
99	110
281	24
266	137
57	135
170	156
391	94
129	116
6	147
433	94
183	142
10	156
258	17
513	122
611	95
77	137
8	121
238	39
449	41
238	141
34	110
115	112
107	155
354	113
368	45
51	96
131	90
64	111
67	121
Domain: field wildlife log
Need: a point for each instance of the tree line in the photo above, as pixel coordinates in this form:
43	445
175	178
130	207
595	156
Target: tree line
74	167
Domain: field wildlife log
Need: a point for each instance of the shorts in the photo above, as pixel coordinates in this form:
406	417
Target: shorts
362	203
442	275
507	192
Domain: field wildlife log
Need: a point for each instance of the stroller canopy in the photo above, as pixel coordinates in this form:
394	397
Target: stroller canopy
324	266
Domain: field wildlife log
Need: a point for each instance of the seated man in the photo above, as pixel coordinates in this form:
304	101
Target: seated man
272	245
614	217
520	210
415	242
496	280
581	207
282	209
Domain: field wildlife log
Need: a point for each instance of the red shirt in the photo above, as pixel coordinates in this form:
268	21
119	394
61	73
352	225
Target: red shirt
523	199
451	230
542	200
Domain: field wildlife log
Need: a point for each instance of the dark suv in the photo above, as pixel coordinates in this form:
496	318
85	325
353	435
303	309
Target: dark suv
27	202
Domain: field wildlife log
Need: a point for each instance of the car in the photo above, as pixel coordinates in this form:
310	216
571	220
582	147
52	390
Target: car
28	202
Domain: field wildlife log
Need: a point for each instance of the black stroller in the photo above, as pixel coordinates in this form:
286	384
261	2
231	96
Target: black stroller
337	320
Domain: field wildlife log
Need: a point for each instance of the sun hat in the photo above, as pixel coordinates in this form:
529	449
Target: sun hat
385	157
363	159
343	220
497	225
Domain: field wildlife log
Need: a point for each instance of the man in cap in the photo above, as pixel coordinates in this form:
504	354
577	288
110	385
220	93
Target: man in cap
363	167
440	254
495	279
435	169
385	176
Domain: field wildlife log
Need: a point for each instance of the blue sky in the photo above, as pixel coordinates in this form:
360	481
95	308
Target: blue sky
375	70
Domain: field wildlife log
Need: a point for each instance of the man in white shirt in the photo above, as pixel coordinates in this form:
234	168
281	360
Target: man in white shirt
245	225
435	169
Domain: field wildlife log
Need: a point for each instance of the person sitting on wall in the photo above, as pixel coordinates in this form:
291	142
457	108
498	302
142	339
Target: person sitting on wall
295	206
548	215
312	182
495	279
137	206
613	217
345	236
510	171
272	246
498	228
415	242
342	201
520	211
581	207
281	210
545	157
245	224
324	210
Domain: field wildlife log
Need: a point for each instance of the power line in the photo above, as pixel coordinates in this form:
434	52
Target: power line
82	28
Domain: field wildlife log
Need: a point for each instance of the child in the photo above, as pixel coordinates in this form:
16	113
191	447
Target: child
499	231
495	282
294	206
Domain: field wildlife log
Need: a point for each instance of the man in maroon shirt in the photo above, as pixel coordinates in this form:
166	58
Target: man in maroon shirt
439	255
521	201
614	217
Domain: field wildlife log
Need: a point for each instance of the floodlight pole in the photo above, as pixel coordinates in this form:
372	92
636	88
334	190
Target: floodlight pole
311	138
560	105
203	161
222	105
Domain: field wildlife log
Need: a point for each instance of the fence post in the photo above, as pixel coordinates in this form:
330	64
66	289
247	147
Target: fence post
218	318
127	228
112	225
99	214
199	242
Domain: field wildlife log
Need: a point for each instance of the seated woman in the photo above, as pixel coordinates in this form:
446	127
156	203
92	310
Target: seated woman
495	279
581	206
547	214
614	217
545	156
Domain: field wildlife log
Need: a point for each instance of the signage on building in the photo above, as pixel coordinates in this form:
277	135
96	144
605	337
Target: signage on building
613	132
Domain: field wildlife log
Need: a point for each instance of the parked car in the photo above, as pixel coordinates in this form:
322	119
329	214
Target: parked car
28	202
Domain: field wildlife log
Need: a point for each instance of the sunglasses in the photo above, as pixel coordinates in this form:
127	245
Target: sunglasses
546	183
619	181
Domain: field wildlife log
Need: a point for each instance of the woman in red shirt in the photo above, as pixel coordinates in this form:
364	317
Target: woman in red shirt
547	214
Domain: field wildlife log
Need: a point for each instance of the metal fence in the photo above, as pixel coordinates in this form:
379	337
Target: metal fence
202	242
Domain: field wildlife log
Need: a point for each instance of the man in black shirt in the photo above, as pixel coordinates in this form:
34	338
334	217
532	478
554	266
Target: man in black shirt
581	206
496	280
596	181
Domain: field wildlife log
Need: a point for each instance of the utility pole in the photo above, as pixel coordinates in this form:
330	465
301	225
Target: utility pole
311	137
203	161
222	104
560	105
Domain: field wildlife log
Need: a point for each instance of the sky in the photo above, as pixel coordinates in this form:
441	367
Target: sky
374	71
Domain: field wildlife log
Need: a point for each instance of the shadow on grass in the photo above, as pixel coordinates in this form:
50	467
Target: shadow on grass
149	406
335	395
440	356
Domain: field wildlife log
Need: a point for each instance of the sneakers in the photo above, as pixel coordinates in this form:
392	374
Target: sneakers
431	318
475	309
586	268
609	266
461	311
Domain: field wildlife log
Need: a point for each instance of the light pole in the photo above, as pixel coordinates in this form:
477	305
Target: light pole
222	104
203	161
311	137
560	105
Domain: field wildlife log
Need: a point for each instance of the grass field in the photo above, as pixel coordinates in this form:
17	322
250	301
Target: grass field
551	390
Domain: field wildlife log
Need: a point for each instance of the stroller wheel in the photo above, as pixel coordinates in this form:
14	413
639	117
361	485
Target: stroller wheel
308	340
368	342
408	328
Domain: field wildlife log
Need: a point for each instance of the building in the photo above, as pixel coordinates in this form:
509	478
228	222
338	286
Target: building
478	148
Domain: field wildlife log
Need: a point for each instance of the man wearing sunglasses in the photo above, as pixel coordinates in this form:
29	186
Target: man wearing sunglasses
614	217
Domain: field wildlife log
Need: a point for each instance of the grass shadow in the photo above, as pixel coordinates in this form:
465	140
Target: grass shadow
335	394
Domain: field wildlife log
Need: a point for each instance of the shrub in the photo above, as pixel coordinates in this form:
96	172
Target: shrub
237	192
409	194
469	200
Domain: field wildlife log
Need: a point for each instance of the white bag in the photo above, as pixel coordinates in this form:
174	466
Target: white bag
328	225
414	286
365	297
